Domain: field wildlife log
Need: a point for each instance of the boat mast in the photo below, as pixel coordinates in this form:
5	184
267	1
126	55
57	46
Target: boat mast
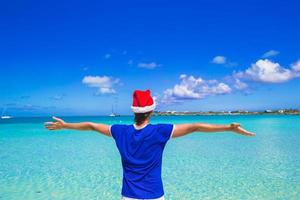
3	110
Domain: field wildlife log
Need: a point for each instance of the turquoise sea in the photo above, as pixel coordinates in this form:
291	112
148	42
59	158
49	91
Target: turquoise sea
39	164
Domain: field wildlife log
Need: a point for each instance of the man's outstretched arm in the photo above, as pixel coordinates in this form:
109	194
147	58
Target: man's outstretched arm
184	129
84	126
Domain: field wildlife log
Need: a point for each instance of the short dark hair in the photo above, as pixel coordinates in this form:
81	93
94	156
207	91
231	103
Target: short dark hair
139	118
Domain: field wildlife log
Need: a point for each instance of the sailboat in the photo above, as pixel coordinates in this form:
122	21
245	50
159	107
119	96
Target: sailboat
5	116
113	114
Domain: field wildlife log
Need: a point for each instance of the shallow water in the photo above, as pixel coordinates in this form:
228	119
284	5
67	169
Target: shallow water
40	164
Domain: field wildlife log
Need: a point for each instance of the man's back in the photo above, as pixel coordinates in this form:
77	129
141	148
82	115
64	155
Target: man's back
141	152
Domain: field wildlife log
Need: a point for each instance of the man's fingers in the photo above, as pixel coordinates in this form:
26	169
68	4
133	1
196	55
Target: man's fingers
244	132
54	125
51	125
251	134
51	128
57	119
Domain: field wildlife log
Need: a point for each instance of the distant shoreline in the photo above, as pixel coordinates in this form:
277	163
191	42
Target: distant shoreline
219	114
266	112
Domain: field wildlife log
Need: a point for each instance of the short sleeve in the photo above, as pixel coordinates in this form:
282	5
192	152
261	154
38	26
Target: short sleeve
115	131
166	131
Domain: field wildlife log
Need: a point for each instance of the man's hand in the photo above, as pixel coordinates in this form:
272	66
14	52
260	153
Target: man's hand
56	125
236	127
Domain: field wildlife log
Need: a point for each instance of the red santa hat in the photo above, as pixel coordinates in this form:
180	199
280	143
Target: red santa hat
142	101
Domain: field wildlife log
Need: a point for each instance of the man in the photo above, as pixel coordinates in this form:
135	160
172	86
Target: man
141	145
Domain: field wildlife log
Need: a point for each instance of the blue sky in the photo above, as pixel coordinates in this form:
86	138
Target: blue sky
80	58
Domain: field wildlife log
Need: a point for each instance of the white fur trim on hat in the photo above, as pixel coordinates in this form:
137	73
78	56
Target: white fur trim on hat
145	109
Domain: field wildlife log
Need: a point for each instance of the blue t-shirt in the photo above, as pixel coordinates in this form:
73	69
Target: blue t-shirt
141	152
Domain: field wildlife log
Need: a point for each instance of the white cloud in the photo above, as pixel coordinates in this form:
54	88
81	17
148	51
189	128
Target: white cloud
266	71
270	53
150	65
219	60
296	66
104	84
240	85
107	56
190	87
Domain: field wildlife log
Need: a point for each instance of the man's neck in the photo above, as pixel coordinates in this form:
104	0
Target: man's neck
142	125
